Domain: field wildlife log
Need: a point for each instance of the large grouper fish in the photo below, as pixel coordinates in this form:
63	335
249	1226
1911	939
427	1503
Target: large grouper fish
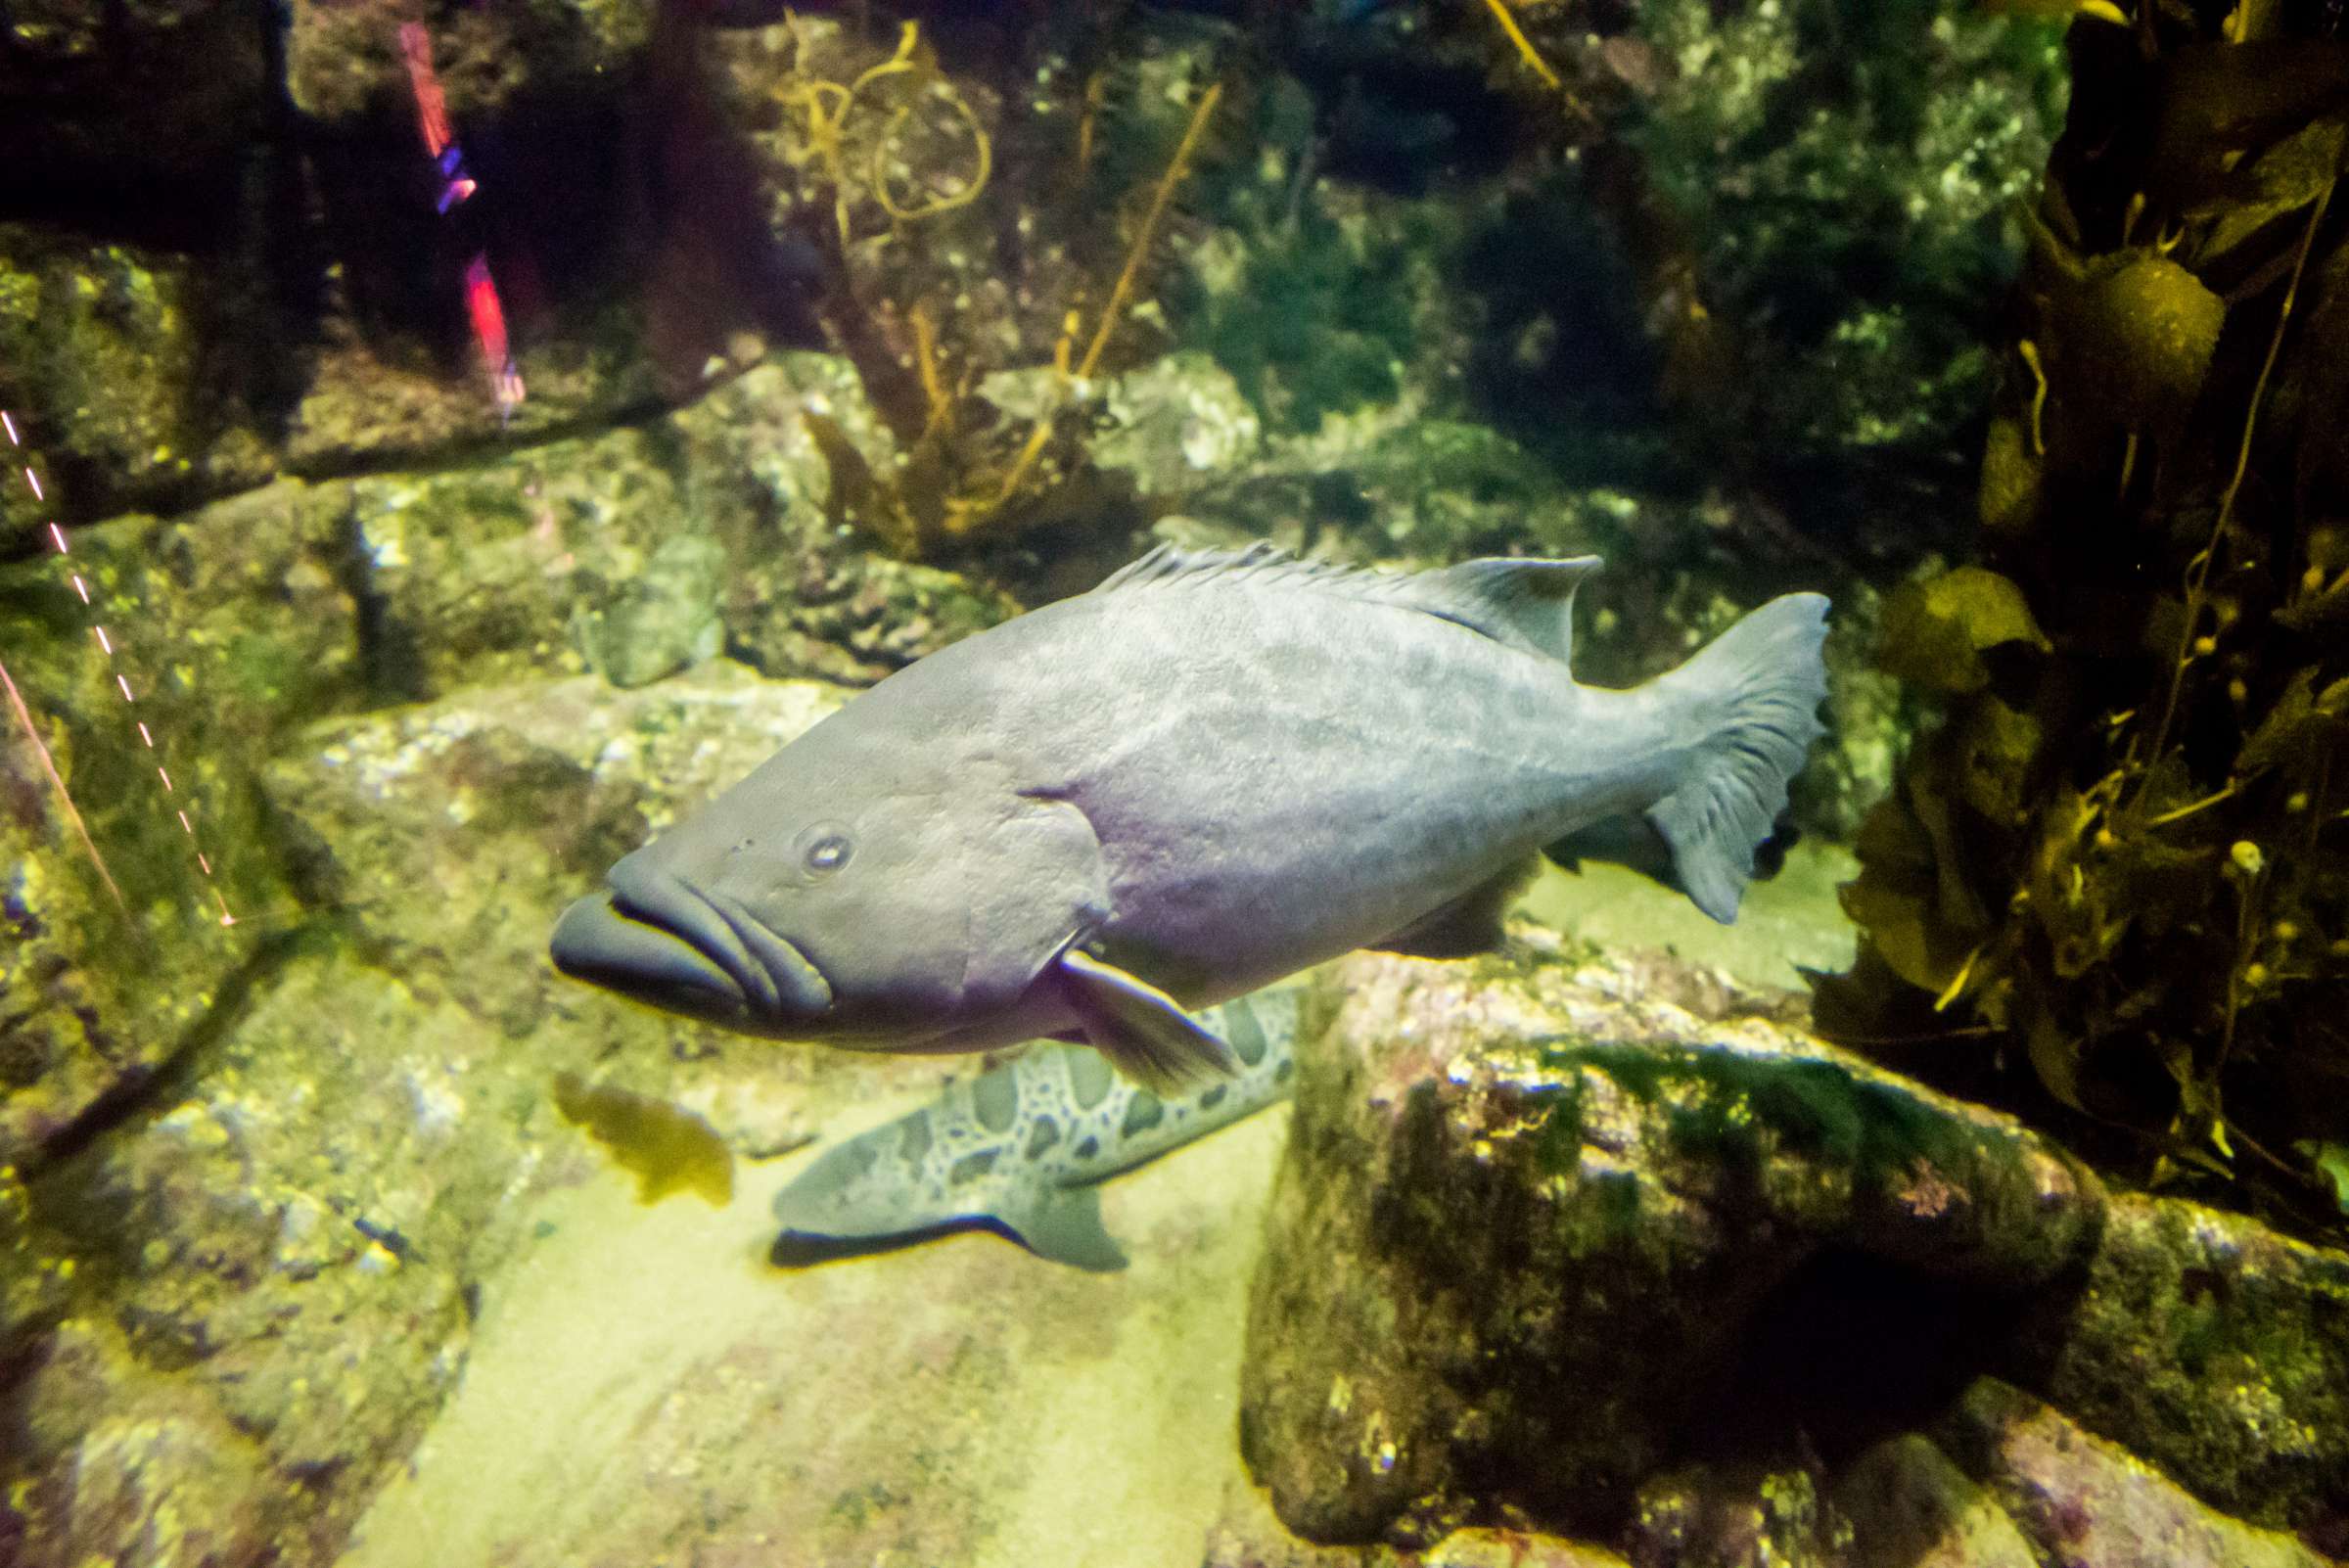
1213	770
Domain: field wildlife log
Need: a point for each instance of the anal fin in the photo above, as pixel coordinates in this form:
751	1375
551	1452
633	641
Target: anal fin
1469	924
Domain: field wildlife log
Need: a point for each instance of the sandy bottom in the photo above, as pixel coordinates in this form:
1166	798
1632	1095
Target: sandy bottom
1792	919
644	1388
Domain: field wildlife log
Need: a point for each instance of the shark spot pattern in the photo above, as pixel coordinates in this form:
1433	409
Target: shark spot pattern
1042	1135
1247	1035
1089	1079
1142	1113
995	1097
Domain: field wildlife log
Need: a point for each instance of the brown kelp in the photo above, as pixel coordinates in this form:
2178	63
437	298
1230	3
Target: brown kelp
2115	884
900	154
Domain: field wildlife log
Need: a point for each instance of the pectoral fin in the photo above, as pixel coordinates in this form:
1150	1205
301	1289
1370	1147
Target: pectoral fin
1139	1027
1064	1224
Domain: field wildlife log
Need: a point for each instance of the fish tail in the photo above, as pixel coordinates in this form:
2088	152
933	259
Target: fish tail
1753	694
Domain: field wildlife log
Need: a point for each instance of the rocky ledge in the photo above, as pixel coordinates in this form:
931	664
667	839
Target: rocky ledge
1611	1247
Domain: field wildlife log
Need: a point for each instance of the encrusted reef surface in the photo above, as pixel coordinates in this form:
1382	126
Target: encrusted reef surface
1570	1243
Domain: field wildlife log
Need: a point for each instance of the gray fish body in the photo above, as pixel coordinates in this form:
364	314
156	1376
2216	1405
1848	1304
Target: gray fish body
1208	774
1024	1144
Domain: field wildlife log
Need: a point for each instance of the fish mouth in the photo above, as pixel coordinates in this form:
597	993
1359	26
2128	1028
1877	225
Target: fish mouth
655	937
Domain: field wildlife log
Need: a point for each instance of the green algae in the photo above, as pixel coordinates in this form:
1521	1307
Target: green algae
1728	1107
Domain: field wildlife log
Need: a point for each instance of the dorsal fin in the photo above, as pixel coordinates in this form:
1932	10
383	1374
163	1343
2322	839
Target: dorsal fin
1525	603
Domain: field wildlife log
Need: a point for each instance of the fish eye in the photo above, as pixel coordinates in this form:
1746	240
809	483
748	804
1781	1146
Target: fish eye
824	848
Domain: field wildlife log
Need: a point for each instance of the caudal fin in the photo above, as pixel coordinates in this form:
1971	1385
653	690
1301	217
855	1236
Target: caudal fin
1753	694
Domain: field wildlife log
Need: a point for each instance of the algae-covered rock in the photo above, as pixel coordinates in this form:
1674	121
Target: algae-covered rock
664	617
1836	185
479	573
202	641
1734	1517
286	1234
386	394
159	1475
643	549
802	596
1909	1505
2217	1350
506	803
1177	422
278	1249
1249	1534
119	387
345	59
1532	1211
2079	1498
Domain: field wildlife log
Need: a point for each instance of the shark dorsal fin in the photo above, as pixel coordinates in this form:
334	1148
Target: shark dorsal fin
1526	603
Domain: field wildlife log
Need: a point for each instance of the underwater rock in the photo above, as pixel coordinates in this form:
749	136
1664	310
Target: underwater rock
116	382
505	801
1535	1214
268	1292
1249	1534
144	101
1839	187
1907	1505
476	575
144	1471
285	1236
227	629
374	396
643	548
2079	1498
343	61
664	619
2218	1350
802	598
1734	1516
1174	423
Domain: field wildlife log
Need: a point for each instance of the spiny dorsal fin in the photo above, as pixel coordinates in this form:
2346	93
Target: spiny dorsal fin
1525	603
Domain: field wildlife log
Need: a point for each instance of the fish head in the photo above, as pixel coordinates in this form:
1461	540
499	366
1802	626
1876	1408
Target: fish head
845	892
862	1187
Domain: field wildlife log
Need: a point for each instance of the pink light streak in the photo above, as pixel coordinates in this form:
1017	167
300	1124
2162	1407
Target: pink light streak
431	104
482	304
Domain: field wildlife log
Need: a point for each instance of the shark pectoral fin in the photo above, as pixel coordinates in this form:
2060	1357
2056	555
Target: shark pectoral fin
1064	1224
1471	923
1138	1026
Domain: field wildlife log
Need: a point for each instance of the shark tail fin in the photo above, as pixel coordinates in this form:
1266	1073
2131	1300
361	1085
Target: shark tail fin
1754	694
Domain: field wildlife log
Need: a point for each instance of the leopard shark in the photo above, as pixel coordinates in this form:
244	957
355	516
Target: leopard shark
1024	1147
